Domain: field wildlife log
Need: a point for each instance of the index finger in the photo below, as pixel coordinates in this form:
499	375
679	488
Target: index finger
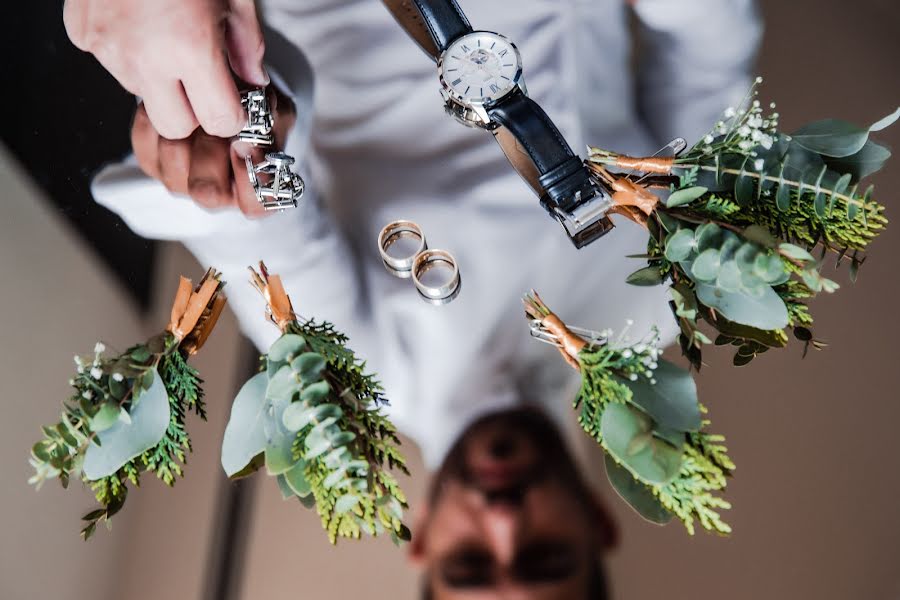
214	96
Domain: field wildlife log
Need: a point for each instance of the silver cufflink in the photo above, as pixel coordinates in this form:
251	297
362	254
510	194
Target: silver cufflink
273	180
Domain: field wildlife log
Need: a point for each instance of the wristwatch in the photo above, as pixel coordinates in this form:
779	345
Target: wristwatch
483	86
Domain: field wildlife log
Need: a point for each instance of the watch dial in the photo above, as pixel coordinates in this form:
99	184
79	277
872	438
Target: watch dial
480	66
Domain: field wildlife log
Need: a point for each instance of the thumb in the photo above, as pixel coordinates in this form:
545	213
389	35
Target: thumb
244	39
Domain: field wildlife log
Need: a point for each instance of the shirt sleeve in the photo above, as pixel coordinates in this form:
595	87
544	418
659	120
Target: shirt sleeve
694	60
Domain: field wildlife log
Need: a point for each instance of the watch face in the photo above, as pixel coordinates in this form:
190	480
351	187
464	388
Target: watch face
480	67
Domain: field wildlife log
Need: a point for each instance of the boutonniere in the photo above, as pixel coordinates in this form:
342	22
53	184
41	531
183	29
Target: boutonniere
127	412
643	411
742	224
312	418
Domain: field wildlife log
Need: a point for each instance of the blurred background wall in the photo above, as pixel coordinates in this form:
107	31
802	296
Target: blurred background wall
818	476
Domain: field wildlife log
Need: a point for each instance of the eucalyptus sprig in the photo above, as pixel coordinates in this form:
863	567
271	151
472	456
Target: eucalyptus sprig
313	417
127	413
643	411
748	219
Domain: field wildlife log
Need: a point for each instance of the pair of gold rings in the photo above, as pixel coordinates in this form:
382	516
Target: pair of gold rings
406	255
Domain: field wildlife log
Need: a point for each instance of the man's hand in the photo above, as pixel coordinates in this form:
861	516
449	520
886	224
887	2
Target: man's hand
211	170
175	54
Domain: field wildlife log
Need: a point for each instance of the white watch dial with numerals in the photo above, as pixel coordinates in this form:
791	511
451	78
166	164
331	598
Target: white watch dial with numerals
480	67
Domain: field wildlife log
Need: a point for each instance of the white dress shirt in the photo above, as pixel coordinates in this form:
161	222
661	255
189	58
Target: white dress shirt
375	145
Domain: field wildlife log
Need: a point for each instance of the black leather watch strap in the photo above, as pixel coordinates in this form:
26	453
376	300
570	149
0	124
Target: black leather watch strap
557	174
433	24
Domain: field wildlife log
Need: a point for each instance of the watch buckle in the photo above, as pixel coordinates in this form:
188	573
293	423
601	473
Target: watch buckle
587	221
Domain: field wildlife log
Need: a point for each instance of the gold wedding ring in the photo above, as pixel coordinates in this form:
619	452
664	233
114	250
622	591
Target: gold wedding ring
392	233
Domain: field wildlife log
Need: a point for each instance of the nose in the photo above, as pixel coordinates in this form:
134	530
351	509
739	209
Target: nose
502	526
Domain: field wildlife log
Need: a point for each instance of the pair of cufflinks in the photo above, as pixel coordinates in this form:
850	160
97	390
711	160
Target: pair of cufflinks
276	185
406	255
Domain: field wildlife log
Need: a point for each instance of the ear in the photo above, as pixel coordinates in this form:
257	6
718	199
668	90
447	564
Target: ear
416	546
606	528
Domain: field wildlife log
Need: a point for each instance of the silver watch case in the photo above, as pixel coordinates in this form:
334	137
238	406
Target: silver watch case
472	112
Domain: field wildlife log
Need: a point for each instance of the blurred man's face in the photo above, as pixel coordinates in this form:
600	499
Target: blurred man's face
509	516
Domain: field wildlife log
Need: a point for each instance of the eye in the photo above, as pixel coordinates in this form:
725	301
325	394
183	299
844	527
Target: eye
467	568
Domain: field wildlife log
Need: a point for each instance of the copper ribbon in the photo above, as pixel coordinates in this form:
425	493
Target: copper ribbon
630	199
195	312
572	343
661	165
280	310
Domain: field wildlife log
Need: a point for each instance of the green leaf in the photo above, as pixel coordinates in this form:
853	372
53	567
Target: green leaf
743	186
782	193
885	122
315	393
796	252
297	416
140	354
767	311
729	277
343	438
244	435
708	235
124	441
310	366
279	441
288	345
680	197
706	265
670	223
831	137
685	301
283	384
769	268
296	479
646	277
760	235
636	494
870	159
334	478
679	245
40	452
284	488
105	418
346	503
672	401
656	463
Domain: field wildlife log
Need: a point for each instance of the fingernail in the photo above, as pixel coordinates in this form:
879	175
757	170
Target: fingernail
262	76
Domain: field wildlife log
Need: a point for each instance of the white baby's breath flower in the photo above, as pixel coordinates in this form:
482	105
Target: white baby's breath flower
743	131
87	394
71	382
758	164
629	322
99	347
117	376
96	373
627	353
766	141
745	145
759	79
708	139
652	382
633	377
729	112
78	362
